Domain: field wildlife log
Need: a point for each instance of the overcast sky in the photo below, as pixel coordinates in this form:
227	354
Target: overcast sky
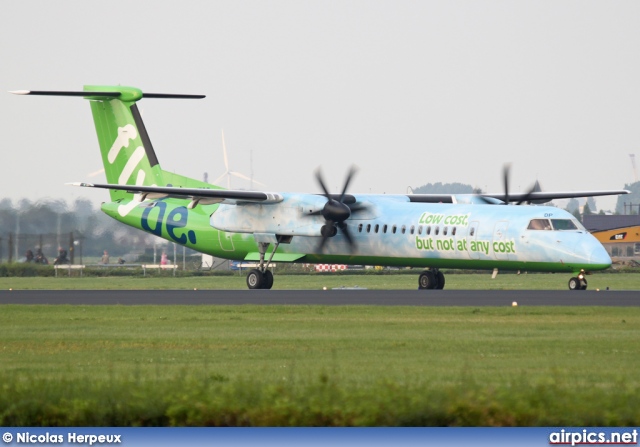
410	92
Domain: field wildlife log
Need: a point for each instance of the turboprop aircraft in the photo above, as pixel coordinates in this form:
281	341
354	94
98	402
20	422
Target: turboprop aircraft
428	231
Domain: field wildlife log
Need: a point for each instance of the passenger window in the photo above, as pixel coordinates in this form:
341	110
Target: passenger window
428	230
437	230
472	231
360	228
413	229
377	227
444	231
420	229
394	229
453	231
384	228
404	229
368	228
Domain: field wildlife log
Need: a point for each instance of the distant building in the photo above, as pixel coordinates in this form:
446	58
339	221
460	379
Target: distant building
619	234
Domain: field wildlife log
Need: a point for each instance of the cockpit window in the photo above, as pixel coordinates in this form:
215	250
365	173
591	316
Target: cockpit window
539	224
555	224
563	224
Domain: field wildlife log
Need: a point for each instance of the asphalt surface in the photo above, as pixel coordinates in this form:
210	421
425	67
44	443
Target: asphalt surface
475	298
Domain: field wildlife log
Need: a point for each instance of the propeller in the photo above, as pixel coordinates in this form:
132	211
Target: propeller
527	196
335	212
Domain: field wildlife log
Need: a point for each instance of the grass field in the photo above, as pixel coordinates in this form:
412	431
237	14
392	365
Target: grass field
316	365
400	280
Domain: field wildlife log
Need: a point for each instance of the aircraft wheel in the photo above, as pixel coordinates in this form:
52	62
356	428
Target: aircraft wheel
427	280
255	279
439	280
268	279
574	284
583	285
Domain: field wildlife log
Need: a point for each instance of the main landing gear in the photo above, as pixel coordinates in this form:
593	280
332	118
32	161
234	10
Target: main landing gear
431	279
257	279
578	282
262	278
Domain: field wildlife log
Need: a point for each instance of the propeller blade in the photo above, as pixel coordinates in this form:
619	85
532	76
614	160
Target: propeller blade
528	195
352	171
313	213
505	176
344	228
358	207
321	182
322	243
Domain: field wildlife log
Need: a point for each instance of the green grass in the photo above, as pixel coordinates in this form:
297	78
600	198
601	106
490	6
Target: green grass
317	365
395	281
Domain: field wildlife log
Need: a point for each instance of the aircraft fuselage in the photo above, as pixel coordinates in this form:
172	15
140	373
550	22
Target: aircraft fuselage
391	231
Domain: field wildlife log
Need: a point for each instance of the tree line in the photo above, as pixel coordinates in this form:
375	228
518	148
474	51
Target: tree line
79	229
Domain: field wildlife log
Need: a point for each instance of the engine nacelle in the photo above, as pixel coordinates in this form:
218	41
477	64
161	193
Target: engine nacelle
296	215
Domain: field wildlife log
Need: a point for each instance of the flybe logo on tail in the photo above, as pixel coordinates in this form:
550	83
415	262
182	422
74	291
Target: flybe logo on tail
125	135
131	165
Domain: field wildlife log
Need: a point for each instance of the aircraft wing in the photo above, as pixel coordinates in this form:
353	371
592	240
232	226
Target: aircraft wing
209	196
543	197
197	195
534	197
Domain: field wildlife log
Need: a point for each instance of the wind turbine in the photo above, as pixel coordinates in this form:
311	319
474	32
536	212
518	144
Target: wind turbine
228	173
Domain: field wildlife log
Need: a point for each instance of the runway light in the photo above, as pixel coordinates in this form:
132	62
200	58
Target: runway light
514	304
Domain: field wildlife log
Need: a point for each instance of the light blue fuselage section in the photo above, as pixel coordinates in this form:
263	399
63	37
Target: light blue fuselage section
394	231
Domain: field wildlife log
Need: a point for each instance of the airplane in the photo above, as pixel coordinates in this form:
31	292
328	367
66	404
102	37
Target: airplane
427	231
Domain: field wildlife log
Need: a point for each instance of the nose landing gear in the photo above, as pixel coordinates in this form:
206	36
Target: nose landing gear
578	282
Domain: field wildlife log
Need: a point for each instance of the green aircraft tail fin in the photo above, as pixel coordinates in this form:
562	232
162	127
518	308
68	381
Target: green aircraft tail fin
127	152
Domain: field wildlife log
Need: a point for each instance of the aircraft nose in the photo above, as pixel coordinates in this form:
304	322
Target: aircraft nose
599	256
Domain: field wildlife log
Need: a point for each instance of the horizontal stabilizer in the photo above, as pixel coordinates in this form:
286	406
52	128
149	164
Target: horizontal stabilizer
197	195
89	94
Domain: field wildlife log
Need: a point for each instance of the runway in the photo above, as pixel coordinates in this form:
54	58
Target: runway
476	298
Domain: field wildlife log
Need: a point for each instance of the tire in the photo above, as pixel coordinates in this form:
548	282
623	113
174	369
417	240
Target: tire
255	279
584	285
439	280
426	280
574	284
268	279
